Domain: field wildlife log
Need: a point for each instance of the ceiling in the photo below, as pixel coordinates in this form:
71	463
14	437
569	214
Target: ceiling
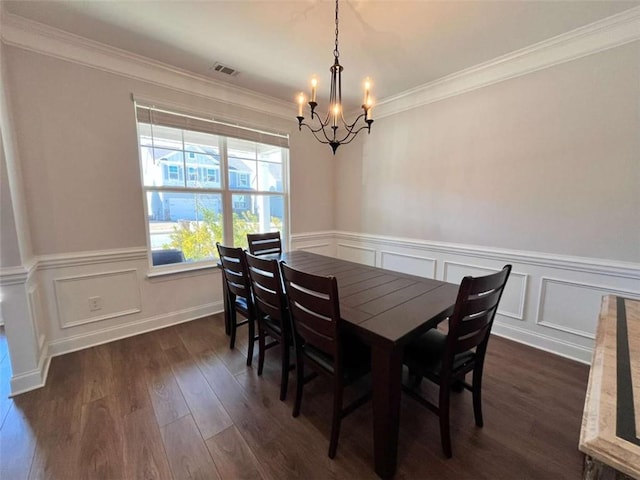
277	45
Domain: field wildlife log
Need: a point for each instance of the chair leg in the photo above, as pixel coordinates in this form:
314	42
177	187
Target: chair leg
261	349
299	384
252	340
477	395
284	374
457	385
233	326
337	417
443	412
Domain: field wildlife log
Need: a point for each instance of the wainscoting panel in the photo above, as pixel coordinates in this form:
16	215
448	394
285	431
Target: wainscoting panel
116	292
569	306
322	243
354	253
35	308
514	295
319	248
411	264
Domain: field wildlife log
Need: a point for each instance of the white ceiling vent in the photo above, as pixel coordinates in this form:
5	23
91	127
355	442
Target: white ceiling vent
220	68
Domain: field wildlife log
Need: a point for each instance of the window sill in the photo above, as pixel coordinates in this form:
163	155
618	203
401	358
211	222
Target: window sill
202	268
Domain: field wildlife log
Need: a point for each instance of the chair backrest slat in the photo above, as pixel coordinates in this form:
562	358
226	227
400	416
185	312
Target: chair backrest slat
467	342
267	287
235	271
475	323
264	243
474	312
314	306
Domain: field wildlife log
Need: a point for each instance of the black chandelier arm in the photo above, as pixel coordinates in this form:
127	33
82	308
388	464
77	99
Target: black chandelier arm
353	133
315	132
333	143
352	126
321	128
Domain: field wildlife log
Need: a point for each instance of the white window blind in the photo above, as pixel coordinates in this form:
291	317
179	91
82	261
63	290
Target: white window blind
158	116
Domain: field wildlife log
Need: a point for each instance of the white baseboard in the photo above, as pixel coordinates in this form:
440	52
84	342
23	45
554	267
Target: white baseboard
36	378
106	335
33	379
543	342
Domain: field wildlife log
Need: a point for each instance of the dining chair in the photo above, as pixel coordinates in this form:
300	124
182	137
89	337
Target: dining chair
272	314
240	299
264	243
321	343
445	359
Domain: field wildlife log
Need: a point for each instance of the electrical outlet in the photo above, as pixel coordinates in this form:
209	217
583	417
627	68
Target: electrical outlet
95	304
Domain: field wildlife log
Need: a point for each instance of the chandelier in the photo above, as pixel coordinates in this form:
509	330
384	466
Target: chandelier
334	130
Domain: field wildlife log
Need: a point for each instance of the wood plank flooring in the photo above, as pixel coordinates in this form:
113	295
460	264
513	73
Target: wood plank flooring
177	403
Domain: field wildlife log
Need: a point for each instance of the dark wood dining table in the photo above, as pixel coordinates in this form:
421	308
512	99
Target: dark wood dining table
386	309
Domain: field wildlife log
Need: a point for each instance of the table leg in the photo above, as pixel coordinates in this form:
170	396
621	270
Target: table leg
386	372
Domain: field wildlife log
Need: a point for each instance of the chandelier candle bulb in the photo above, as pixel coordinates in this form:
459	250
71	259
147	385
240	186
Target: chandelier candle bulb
300	103
314	88
367	91
368	109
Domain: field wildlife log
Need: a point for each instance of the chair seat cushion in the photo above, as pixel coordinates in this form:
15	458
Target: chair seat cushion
424	354
356	358
241	305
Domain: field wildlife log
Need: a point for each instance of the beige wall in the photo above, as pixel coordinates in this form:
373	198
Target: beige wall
76	133
9	250
547	162
312	184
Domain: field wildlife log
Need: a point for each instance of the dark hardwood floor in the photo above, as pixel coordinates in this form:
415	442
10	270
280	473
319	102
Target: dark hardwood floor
177	403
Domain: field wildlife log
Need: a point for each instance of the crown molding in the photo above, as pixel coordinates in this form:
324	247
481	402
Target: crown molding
602	35
37	37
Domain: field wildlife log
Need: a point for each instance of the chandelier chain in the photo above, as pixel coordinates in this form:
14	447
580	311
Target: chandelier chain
336	53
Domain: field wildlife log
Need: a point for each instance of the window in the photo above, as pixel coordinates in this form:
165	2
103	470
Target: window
173	172
189	208
212	175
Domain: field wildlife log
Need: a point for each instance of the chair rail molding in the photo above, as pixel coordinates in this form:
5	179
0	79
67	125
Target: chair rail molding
76	259
14	275
566	262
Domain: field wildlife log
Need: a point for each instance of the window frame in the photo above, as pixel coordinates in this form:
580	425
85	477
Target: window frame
225	192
